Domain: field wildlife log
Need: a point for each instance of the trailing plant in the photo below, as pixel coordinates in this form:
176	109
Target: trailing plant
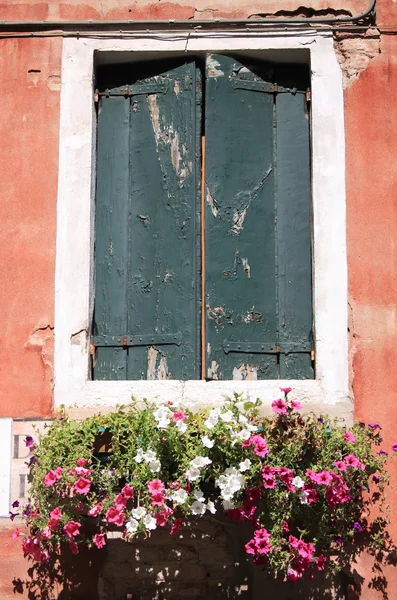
304	483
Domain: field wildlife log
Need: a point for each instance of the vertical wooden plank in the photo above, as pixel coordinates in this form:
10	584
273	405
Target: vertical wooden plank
164	290
240	214
111	223
293	204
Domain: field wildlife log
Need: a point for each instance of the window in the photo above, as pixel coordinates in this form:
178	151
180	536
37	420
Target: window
74	276
203	200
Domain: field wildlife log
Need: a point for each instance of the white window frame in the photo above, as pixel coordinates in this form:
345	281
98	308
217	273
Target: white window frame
75	211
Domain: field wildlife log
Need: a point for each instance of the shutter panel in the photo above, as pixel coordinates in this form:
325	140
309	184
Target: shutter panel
111	222
162	285
293	235
257	235
240	281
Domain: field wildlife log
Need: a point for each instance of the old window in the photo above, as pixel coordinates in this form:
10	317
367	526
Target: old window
203	200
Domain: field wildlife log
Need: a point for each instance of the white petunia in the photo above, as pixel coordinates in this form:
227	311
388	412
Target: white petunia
242	419
207	442
200	461
132	526
227	416
298	482
227	505
138	513
214	413
198	508
192	474
179	496
245	465
139	455
181	426
198	495
163	423
244	435
303	497
149	522
149	455
210	424
155	466
211	507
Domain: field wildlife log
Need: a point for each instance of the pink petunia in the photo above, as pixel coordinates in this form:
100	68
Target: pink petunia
73	547
46	533
295	405
286	390
280	406
81	472
115	516
156	486
72	529
260	446
16	533
157	499
56	513
340	465
254	493
179	415
293	575
53	524
99	540
176	526
82	486
320	562
250	547
81	462
324	478
51	478
352	461
120	502
95	510
127	491
349	437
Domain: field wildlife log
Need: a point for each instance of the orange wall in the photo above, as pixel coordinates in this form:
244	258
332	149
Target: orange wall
29	121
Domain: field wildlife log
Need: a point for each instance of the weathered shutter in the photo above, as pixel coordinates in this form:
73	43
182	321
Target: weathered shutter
151	270
257	283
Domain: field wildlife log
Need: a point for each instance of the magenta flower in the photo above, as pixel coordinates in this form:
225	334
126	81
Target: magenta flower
394	447
349	437
280	406
81	472
352	461
73	547
72	529
56	514
95	510
178	415
51	478
99	540
340	465
260	445
115	516
295	405
16	534
324	478
382	453
127	491
156	486
176	526
320	562
357	526
120	502
286	390
28	441
82	486
81	462
157	499
374	426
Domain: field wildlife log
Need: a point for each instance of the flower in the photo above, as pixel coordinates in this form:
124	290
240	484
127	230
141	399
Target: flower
181	426
259	443
154	466
138	513
324	478
198	508
82	486
28	441
16	533
15	504
286	390
72	529
179	415
127	491
99	540
95	510
81	471
279	406
295	405
139	457
149	522
340	465
349	436
132	526
394	447
200	461
357	526
157	499
227	416
155	486
211	507
81	462
245	465
176	526
207	442
73	547
56	514
374	426
298	482
120	502
115	516
179	496
192	474
352	461
51	478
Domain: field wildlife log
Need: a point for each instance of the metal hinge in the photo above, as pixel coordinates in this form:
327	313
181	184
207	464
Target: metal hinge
266	348
127	341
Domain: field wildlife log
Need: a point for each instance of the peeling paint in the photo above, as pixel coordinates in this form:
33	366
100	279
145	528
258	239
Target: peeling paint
238	220
208	348
251	317
213	69
42	339
246	267
213	371
155	372
354	53
79	338
245	198
212	203
245	373
175	153
54	83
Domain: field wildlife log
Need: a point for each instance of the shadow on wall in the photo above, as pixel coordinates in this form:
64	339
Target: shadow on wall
207	561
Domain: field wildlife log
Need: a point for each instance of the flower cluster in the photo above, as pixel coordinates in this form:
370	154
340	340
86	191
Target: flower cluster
298	481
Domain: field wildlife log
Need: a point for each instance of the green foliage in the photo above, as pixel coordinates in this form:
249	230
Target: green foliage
306	484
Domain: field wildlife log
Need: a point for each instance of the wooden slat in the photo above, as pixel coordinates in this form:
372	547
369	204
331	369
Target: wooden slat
240	214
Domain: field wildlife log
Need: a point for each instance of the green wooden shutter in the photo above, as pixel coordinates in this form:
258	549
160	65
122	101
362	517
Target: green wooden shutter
258	283
147	283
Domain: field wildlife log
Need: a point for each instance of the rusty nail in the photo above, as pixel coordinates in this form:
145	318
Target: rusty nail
312	355
124	341
96	96
92	349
